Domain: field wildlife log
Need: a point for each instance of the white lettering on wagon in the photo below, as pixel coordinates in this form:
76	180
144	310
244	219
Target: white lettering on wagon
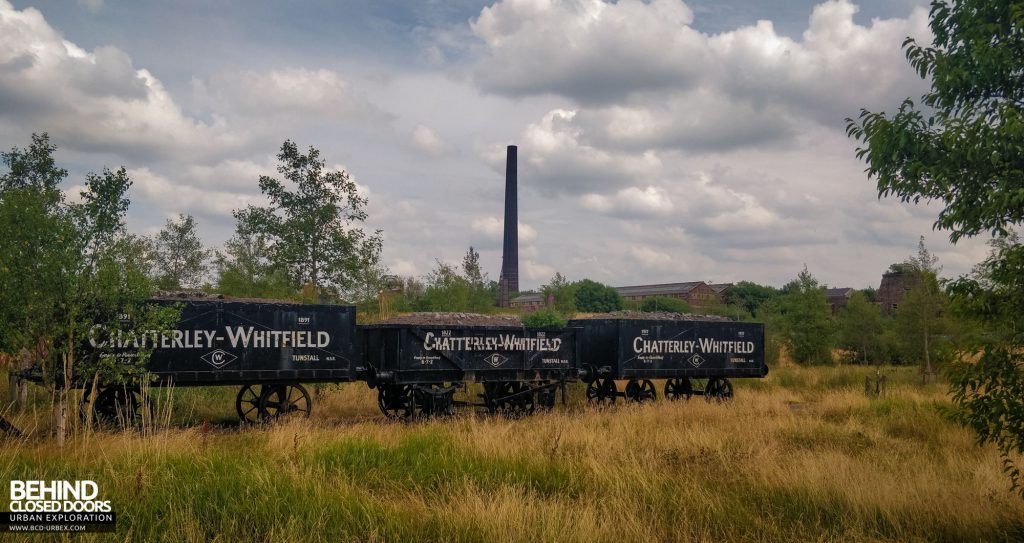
500	342
244	337
688	346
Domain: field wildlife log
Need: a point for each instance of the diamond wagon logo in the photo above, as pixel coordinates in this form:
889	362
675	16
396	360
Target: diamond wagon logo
696	360
496	360
218	358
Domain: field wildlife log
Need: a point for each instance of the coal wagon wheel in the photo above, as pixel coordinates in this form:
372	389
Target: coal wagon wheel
517	400
678	389
285	401
118	406
640	391
545	397
718	389
433	400
602	392
492	392
247	403
395	401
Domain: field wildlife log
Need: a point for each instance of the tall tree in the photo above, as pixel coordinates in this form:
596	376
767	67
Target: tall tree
805	320
313	222
961	147
180	258
751	296
34	167
861	327
921	316
67	271
562	293
471	267
244	268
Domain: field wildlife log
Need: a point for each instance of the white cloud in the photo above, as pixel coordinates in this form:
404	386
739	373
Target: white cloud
652	259
403	268
555	159
428	142
587	49
631	202
536	271
648	151
490	231
286	93
93	101
644	78
173	197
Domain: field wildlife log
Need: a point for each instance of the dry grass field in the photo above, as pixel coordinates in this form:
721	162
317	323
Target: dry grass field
800	456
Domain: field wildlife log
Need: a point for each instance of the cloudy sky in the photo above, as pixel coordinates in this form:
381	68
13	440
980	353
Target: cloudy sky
658	141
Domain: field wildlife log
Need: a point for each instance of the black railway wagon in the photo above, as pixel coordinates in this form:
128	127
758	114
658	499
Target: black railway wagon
417	368
694	357
266	347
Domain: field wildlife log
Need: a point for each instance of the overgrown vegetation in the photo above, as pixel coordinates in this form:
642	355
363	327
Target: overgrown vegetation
69	273
664	303
960	146
799	456
543	318
594	297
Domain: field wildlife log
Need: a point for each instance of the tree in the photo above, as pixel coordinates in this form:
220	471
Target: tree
594	297
750	296
805	319
563	293
861	328
989	389
68	270
920	317
34	167
483	290
664	303
244	268
312	223
180	259
471	267
961	147
448	291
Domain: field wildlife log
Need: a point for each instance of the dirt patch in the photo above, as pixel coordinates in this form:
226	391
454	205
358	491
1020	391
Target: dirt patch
454	319
654	316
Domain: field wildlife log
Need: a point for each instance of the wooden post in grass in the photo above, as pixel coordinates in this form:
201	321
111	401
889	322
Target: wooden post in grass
23	384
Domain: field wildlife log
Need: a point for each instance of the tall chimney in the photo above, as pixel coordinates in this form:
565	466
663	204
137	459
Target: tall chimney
508	283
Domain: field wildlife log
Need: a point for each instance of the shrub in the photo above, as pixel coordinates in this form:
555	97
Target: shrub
543	319
664	303
594	297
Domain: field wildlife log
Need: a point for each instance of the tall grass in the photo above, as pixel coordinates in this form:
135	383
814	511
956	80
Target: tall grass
800	456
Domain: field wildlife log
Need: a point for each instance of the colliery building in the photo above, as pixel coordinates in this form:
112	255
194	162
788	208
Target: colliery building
838	298
695	293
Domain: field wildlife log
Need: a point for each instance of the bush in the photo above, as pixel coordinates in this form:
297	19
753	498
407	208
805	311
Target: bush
734	312
664	303
543	318
593	297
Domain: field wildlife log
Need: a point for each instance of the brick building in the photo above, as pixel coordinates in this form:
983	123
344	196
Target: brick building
895	285
695	293
838	298
528	303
